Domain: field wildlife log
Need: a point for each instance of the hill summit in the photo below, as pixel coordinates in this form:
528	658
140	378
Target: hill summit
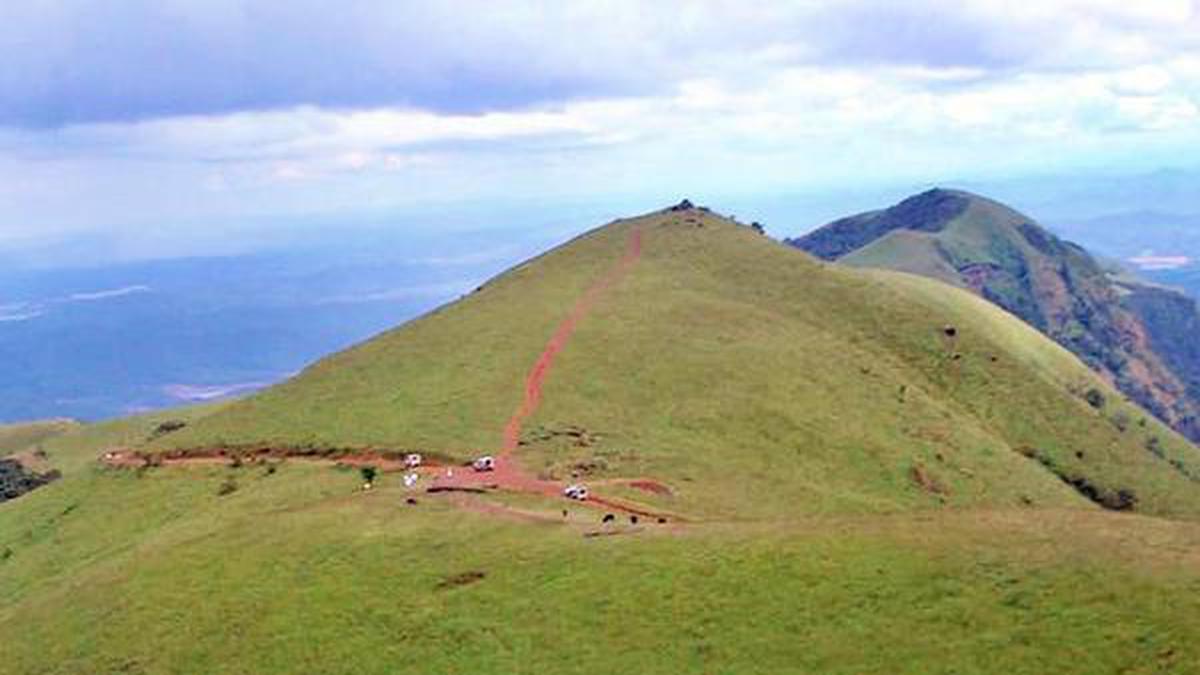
747	376
827	469
1130	331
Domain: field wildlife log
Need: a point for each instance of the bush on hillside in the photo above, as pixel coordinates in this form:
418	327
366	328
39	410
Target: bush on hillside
368	474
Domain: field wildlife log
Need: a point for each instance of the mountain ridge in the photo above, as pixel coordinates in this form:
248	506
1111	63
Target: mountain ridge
847	455
1054	285
651	366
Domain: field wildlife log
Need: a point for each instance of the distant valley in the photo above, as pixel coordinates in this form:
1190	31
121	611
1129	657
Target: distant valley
93	343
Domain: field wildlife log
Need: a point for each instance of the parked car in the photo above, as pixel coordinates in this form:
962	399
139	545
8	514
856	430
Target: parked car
576	491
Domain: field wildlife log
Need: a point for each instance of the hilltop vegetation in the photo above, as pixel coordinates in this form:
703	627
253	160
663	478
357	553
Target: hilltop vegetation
876	473
1125	329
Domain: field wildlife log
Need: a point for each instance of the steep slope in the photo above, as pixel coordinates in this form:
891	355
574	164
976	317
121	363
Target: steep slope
1117	325
753	379
874	467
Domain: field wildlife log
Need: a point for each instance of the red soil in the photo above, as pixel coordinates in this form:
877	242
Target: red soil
508	474
649	485
533	383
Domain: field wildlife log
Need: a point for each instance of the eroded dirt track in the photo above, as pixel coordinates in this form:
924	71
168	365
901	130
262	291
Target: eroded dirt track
508	473
541	368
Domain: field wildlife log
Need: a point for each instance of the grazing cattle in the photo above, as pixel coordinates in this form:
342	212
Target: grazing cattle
576	491
411	501
485	463
633	519
412	460
608	518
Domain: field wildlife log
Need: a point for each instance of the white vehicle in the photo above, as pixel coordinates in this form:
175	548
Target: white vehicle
485	463
576	491
412	461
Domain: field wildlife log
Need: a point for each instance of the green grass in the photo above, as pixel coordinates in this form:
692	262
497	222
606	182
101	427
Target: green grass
295	572
788	403
754	379
906	251
1132	337
16	438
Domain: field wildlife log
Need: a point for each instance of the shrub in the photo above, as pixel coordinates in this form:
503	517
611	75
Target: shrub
167	427
1095	398
368	474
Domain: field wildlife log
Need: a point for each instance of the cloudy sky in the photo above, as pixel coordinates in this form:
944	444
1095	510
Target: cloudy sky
164	119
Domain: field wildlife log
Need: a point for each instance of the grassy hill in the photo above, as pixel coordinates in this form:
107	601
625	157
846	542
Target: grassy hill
15	438
23	467
757	380
1124	328
878	473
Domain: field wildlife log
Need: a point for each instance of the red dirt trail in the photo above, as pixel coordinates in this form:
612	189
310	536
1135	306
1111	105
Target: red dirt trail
533	383
508	474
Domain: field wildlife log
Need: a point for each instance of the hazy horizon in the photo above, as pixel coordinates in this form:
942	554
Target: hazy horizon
142	131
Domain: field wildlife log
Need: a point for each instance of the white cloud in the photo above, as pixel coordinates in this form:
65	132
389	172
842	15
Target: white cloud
106	295
678	96
425	291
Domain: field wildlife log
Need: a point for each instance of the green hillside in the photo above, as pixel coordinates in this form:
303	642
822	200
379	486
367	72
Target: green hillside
1122	327
726	355
875	473
15	438
23	464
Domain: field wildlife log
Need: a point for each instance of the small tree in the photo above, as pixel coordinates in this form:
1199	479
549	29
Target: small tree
368	474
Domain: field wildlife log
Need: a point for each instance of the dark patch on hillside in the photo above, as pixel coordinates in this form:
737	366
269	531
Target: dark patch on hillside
1113	499
926	212
462	579
167	427
16	480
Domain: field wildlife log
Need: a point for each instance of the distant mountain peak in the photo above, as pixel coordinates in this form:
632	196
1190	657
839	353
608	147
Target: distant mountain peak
1059	288
929	211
